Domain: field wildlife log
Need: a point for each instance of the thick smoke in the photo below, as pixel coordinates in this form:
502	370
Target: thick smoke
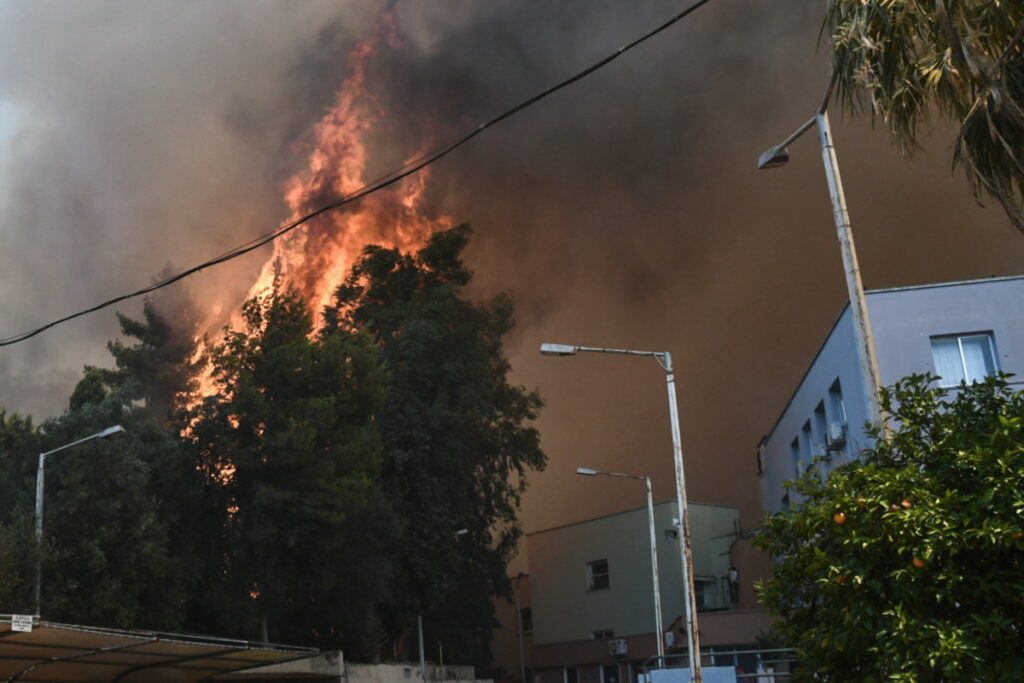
624	211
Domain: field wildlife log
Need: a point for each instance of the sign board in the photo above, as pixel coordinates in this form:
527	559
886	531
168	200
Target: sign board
711	674
21	622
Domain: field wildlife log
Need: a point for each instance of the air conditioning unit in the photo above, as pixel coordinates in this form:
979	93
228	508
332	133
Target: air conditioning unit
618	647
836	435
670	639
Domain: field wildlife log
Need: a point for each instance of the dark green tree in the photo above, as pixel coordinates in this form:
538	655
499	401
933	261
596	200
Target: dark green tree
155	369
457	440
290	447
19	448
105	553
156	366
908	565
122	524
158	372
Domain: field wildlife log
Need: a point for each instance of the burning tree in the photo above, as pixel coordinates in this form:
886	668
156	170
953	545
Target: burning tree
290	450
337	480
456	436
370	472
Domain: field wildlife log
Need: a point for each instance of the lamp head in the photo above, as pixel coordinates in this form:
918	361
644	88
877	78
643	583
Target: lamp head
771	158
116	429
557	350
586	471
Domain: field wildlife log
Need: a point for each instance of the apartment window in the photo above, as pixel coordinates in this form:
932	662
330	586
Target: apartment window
820	429
794	453
526	619
706	590
837	409
610	673
597	575
807	443
963	358
571	675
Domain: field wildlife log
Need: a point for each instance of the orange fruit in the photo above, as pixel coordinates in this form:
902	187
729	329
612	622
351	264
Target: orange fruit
839	517
918	562
906	504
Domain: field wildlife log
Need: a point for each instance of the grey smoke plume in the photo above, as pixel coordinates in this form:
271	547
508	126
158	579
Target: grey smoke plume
624	211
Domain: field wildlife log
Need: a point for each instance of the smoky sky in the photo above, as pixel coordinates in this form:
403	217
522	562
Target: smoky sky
625	211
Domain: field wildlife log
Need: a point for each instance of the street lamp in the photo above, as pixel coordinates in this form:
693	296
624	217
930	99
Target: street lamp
658	628
40	480
778	156
664	359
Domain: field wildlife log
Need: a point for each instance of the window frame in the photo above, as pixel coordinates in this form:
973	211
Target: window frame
598	581
959	338
526	620
706	593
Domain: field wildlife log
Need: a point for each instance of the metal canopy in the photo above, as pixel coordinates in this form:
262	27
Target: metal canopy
58	653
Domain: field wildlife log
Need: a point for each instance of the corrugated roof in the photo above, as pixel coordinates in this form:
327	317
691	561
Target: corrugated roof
60	653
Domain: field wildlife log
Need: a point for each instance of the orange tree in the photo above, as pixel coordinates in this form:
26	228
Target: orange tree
908	564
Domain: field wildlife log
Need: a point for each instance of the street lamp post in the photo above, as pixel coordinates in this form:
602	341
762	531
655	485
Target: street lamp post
40	481
664	359
778	156
659	630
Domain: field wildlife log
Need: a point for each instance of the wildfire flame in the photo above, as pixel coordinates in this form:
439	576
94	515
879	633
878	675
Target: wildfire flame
316	257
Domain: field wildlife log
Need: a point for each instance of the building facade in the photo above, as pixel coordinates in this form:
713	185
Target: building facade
589	605
960	331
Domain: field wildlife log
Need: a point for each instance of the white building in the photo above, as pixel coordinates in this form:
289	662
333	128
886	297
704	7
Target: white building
957	330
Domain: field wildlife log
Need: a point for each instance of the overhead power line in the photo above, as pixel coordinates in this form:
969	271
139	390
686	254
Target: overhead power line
380	183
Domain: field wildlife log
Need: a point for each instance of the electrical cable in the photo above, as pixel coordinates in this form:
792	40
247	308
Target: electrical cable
380	183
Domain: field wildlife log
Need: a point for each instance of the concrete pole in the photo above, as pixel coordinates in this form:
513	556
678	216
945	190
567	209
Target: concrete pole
858	303
686	552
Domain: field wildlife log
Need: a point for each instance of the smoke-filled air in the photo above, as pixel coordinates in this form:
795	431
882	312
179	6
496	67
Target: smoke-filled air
140	139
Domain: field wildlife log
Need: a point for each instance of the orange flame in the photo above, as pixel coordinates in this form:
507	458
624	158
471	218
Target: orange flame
316	257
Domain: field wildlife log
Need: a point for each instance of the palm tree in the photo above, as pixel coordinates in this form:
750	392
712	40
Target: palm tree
904	60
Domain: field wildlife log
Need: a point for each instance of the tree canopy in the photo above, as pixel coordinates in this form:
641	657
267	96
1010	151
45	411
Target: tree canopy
160	369
290	450
19	445
456	434
908	564
123	515
339	483
902	60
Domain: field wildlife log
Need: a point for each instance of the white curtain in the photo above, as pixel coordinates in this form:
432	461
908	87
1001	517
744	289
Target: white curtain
948	366
977	357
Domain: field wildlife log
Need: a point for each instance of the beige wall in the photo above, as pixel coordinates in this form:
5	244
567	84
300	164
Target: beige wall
565	613
565	610
505	644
